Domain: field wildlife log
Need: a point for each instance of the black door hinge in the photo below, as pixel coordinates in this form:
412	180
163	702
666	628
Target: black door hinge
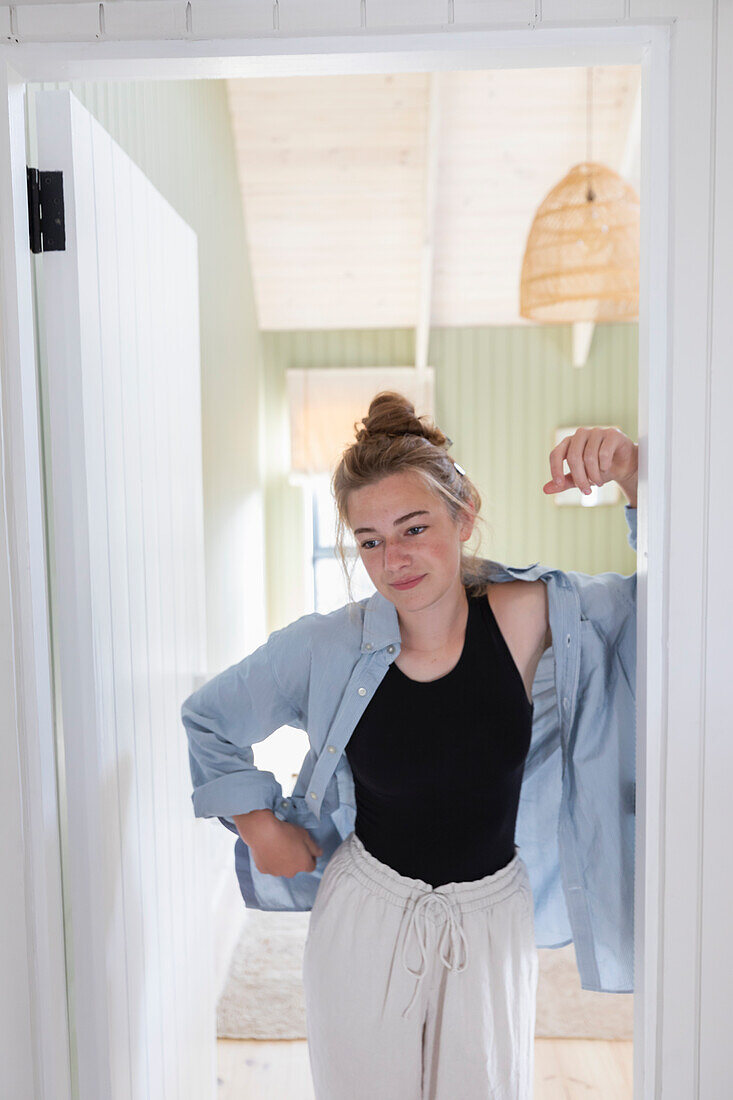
46	224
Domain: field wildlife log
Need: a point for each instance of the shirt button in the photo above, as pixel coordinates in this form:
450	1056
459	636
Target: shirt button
284	802
367	645
566	702
390	649
567	640
362	691
313	794
332	748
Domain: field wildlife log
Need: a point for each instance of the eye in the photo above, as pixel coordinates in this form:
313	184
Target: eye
419	527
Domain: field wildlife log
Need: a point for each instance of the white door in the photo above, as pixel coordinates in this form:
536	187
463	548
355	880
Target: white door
119	321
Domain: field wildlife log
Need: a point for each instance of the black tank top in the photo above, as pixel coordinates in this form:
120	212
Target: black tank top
438	765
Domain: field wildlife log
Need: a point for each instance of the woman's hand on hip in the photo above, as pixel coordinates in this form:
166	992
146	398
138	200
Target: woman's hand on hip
283	848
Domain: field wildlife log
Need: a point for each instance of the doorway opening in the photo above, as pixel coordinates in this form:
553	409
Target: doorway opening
260	615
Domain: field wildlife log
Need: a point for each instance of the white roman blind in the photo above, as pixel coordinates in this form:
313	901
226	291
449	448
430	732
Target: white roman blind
324	405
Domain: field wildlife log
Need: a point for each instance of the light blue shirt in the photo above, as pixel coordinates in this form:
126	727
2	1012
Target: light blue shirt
575	820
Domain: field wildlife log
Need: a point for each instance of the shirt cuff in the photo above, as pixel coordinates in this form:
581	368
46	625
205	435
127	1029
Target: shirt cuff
631	514
236	793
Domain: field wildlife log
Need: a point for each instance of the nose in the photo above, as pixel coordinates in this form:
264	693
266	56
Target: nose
395	555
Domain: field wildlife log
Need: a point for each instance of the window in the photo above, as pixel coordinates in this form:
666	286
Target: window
329	583
323	404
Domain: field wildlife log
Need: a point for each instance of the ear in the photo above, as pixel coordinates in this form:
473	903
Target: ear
467	522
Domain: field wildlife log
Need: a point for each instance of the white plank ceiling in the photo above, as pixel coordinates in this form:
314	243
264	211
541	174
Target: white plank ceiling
381	201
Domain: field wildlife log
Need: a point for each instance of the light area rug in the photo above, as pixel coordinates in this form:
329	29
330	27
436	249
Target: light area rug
262	997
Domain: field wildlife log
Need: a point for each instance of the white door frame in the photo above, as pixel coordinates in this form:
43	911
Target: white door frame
676	48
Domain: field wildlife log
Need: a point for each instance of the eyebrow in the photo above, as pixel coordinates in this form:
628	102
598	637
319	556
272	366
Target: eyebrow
422	512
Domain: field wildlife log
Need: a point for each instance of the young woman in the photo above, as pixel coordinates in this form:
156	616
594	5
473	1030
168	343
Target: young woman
420	966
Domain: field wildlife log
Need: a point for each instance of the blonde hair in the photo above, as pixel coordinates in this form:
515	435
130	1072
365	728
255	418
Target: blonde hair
393	439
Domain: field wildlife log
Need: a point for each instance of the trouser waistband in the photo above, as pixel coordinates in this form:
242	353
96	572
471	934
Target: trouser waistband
399	889
441	904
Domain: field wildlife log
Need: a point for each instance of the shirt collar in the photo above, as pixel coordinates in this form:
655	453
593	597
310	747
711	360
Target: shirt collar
381	625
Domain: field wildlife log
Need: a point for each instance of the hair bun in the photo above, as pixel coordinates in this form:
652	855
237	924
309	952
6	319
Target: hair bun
393	414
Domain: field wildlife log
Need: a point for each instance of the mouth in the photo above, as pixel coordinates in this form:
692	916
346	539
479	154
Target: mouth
408	584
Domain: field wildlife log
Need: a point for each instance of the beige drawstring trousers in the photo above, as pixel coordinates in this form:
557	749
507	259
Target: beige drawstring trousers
414	992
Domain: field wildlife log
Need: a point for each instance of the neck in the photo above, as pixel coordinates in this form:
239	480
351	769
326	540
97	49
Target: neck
434	627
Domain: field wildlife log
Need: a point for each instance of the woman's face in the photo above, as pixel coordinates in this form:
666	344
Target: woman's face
405	533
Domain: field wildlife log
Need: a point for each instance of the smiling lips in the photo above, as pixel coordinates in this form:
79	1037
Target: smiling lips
409	584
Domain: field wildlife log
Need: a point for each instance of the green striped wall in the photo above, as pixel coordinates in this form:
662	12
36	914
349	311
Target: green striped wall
500	393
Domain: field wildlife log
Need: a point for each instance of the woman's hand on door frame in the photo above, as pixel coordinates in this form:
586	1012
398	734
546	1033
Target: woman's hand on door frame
595	456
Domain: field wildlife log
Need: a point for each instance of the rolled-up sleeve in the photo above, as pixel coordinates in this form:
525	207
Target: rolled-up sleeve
631	521
240	706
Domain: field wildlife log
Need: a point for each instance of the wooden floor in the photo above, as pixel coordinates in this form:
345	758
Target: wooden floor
565	1069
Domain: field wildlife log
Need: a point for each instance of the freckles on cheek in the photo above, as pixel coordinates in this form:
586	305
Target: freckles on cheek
438	548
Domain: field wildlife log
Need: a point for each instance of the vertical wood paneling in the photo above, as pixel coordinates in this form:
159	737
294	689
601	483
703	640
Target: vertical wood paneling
159	864
500	393
98	681
133	351
162	272
120	771
178	133
163	398
144	998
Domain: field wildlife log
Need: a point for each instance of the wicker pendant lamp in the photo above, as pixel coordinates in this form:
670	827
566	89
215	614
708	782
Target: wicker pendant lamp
581	261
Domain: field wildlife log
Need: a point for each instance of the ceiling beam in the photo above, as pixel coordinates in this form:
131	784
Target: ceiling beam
427	250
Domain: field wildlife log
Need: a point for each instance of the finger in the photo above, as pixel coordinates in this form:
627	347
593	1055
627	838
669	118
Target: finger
607	450
566	482
575	461
557	457
313	847
591	455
